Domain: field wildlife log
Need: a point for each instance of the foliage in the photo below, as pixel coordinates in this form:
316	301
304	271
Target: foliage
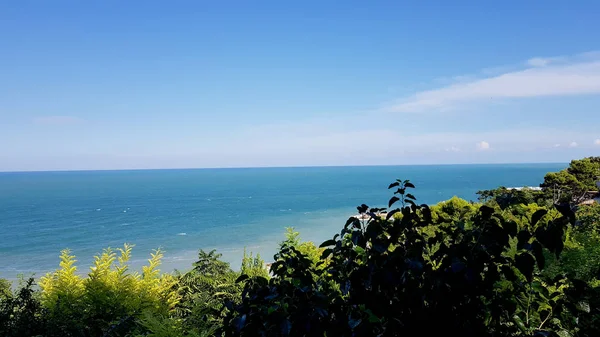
203	291
589	218
159	326
572	184
109	299
289	296
582	262
307	248
21	313
453	209
505	197
479	276
581	259
253	265
5	287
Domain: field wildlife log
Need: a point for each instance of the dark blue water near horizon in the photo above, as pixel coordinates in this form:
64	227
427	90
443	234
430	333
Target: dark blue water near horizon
182	211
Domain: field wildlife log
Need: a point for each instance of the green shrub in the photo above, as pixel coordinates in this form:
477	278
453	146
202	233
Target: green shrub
307	248
203	291
253	265
109	298
21	313
5	288
393	278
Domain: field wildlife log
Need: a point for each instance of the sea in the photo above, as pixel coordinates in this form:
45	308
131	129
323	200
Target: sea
229	210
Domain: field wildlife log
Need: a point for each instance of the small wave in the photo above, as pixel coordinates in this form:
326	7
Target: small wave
209	199
98	209
182	234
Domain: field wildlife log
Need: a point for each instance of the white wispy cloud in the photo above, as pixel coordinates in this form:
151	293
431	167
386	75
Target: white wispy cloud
597	141
482	145
573	144
539	62
453	149
559	76
57	120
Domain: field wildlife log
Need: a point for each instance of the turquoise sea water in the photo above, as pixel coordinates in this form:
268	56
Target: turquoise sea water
224	209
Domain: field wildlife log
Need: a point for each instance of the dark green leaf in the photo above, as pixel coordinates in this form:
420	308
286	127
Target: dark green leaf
393	201
322	312
353	323
567	212
380	247
536	247
525	263
410	196
362	208
537	216
326	253
240	322
510	228
519	322
356	235
426	213
486	211
523	238
351	220
327	243
286	327
242	278
458	266
409	185
392	185
391	213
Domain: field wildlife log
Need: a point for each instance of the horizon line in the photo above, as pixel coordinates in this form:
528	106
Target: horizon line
271	167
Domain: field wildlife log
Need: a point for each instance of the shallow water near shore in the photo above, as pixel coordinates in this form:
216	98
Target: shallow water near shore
181	211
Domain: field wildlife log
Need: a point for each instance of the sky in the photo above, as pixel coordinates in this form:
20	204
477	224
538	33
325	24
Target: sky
186	84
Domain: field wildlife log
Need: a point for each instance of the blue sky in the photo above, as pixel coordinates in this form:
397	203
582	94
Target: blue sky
157	84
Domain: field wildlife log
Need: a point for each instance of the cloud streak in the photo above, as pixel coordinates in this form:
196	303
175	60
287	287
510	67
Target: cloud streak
561	76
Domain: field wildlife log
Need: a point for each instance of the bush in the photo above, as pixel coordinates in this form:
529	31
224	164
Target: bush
307	248
109	299
474	276
21	313
253	265
203	291
5	286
